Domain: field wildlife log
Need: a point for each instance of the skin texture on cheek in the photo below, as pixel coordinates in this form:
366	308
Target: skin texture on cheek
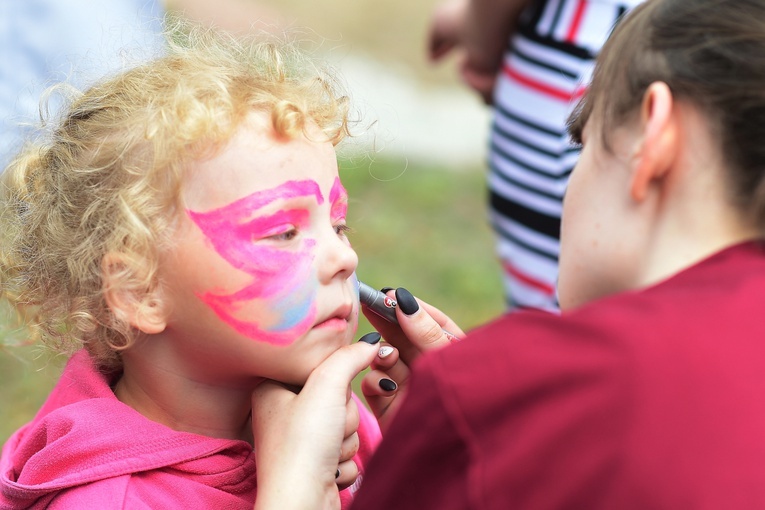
283	281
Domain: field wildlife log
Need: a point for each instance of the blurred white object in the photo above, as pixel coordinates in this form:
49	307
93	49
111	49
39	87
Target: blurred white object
442	125
44	42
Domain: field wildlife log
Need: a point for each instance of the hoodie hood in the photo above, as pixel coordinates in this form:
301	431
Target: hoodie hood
83	434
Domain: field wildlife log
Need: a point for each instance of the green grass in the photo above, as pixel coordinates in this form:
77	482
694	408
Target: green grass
418	227
425	229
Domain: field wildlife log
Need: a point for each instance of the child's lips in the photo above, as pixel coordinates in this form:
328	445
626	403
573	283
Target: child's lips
338	319
333	323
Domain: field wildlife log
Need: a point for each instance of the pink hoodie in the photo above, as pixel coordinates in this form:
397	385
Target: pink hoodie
86	449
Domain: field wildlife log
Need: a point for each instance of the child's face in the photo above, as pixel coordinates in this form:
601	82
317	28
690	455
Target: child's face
599	230
261	281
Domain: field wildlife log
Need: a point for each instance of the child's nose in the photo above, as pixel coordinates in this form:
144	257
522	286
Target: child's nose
336	259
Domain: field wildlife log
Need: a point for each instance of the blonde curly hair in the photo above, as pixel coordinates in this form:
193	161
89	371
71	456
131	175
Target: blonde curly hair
107	175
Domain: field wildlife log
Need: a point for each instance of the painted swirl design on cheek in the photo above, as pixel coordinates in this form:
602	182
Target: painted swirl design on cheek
282	279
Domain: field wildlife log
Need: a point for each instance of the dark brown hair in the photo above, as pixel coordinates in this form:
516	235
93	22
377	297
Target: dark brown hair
710	53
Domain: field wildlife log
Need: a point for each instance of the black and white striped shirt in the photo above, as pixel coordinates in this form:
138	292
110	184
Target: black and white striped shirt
545	70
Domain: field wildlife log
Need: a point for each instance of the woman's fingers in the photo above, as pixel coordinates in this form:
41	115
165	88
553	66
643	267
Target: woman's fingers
346	474
421	327
389	365
349	448
443	320
381	385
379	391
351	418
301	436
334	375
387	357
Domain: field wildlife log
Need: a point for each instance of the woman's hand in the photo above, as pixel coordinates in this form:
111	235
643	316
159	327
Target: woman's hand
303	439
446	27
450	31
479	31
421	328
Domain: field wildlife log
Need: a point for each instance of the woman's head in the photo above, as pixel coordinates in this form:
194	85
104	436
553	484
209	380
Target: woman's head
108	176
673	166
710	53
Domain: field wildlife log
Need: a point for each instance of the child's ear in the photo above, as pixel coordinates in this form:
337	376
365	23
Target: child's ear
658	147
143	311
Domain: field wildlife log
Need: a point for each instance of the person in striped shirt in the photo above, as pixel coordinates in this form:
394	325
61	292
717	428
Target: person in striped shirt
531	60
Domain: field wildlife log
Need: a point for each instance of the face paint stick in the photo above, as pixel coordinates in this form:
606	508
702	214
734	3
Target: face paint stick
385	307
378	302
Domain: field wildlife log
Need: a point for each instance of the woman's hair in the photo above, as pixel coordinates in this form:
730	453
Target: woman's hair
710	53
107	176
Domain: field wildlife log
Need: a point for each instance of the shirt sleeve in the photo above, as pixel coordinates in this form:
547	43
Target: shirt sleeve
528	413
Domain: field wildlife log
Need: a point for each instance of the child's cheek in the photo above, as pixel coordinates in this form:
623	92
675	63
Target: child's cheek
293	288
280	302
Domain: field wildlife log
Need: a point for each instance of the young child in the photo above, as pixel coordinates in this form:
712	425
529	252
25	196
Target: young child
647	391
182	229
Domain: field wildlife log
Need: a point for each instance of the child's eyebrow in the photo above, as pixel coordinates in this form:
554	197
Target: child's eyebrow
337	192
260	199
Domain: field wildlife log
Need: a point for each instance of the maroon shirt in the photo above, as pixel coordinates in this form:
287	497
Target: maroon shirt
651	399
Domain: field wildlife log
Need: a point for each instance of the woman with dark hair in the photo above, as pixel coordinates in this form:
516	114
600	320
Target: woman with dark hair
646	392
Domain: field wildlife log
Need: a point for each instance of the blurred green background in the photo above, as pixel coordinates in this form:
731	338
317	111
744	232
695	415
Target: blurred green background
420	227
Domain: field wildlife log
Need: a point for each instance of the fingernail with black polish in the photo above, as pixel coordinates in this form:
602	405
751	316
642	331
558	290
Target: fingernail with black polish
385	290
388	385
406	301
371	338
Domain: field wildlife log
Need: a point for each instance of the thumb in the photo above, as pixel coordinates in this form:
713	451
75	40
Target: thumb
269	396
335	374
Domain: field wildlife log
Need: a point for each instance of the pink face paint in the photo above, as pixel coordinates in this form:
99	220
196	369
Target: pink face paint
281	277
337	191
338	198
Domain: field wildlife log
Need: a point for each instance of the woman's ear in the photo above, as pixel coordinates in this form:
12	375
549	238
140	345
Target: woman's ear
143	311
658	148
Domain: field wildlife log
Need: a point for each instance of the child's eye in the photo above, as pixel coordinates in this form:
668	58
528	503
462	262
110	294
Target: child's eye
286	235
343	230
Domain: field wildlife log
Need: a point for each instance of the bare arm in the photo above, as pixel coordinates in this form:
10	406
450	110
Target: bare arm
481	29
488	26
